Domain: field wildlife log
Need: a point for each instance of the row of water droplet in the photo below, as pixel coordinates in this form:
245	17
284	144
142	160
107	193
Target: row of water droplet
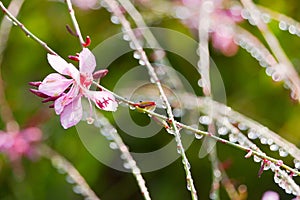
252	134
78	187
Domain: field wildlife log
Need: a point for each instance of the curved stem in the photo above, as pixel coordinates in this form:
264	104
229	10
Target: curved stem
64	165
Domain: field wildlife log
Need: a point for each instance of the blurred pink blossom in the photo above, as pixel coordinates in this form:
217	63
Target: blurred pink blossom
270	195
18	144
222	21
67	93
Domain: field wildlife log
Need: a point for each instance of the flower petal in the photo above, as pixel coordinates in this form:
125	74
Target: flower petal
54	84
72	113
87	61
61	66
65	99
104	100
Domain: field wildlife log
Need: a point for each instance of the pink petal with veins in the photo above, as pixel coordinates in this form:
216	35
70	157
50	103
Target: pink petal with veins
87	61
54	84
62	67
72	113
65	99
104	100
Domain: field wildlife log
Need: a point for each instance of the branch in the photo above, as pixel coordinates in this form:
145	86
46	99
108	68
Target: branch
114	7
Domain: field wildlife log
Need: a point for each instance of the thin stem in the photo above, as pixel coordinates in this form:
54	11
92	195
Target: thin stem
116	10
64	165
204	133
24	29
5	28
204	70
125	153
75	23
275	47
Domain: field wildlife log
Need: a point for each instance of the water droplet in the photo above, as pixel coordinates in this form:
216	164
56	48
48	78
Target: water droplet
126	165
266	18
77	189
274	147
217	173
245	14
252	135
276	77
200	83
114	19
263	140
270	141
242	126
178	149
256	158
223	130
297	164
283	152
137	55
188	165
132	107
283	25
233	137
113	145
294	95
188	186
206	120
70	180
277	179
270	71
266	167
292	30
197	136
141	62
90	120
126	37
132	45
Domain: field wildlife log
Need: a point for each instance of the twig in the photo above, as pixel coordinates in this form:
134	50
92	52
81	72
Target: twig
204	70
116	10
5	28
25	30
62	164
204	133
113	134
275	47
75	23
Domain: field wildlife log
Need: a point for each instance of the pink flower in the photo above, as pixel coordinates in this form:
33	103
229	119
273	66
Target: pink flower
67	92
222	23
18	144
270	195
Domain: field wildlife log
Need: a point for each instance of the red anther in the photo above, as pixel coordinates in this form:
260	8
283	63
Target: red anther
35	84
87	41
38	93
75	58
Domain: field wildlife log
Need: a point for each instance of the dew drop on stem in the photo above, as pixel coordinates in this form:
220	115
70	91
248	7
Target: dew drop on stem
283	152
113	145
198	136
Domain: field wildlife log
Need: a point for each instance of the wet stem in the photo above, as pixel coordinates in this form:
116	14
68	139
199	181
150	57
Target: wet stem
113	5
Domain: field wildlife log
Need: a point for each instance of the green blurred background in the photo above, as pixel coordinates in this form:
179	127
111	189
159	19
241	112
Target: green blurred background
249	90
